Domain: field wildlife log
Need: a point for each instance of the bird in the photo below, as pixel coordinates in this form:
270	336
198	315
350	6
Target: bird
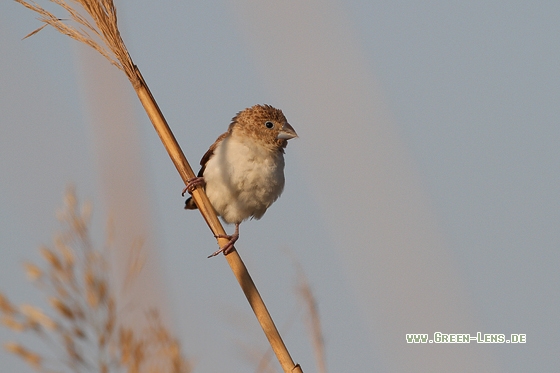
243	170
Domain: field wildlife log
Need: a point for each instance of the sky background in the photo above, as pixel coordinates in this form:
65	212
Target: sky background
423	194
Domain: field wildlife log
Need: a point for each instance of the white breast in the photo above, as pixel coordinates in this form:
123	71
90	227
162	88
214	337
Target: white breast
243	179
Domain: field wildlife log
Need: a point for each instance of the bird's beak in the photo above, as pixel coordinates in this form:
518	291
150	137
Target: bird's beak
287	132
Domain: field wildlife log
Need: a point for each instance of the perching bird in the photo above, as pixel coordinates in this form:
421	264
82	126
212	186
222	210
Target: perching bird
243	171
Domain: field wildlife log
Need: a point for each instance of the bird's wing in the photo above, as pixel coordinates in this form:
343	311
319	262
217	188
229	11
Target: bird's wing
189	203
210	153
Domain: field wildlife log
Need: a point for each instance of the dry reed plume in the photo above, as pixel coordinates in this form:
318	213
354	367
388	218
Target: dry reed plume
103	35
83	328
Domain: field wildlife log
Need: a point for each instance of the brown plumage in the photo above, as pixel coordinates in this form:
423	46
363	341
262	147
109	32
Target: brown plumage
243	170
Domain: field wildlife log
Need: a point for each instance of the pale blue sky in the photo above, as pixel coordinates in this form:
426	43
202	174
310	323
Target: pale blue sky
441	121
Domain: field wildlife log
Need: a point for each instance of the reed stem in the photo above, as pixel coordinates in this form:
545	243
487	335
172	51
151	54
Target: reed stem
234	260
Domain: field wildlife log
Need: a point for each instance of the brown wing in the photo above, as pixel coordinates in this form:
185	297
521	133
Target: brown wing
189	203
210	153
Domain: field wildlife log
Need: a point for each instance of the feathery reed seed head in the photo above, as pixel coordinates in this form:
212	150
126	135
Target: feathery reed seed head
86	328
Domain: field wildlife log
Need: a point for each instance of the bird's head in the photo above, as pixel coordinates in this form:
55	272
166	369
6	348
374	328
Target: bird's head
265	124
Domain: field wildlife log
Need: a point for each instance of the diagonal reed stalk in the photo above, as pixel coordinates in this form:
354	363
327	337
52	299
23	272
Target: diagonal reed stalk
106	40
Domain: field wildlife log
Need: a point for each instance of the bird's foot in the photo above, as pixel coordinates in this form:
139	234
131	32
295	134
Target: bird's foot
227	248
192	184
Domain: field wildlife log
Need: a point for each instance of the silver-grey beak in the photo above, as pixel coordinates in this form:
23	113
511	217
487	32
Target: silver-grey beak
287	132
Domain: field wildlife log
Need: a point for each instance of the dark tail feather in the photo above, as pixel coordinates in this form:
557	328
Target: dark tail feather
190	205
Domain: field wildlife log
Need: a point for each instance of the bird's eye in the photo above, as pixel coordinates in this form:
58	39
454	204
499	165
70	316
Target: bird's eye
269	125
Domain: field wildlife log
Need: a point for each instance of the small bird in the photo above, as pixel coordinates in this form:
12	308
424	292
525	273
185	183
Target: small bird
243	171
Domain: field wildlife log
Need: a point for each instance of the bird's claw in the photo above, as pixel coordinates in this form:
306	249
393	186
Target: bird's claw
192	184
227	248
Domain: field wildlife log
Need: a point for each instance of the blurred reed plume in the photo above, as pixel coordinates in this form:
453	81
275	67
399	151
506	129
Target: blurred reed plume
307	306
313	320
84	329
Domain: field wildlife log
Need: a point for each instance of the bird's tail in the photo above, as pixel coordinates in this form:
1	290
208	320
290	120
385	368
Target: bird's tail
190	205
